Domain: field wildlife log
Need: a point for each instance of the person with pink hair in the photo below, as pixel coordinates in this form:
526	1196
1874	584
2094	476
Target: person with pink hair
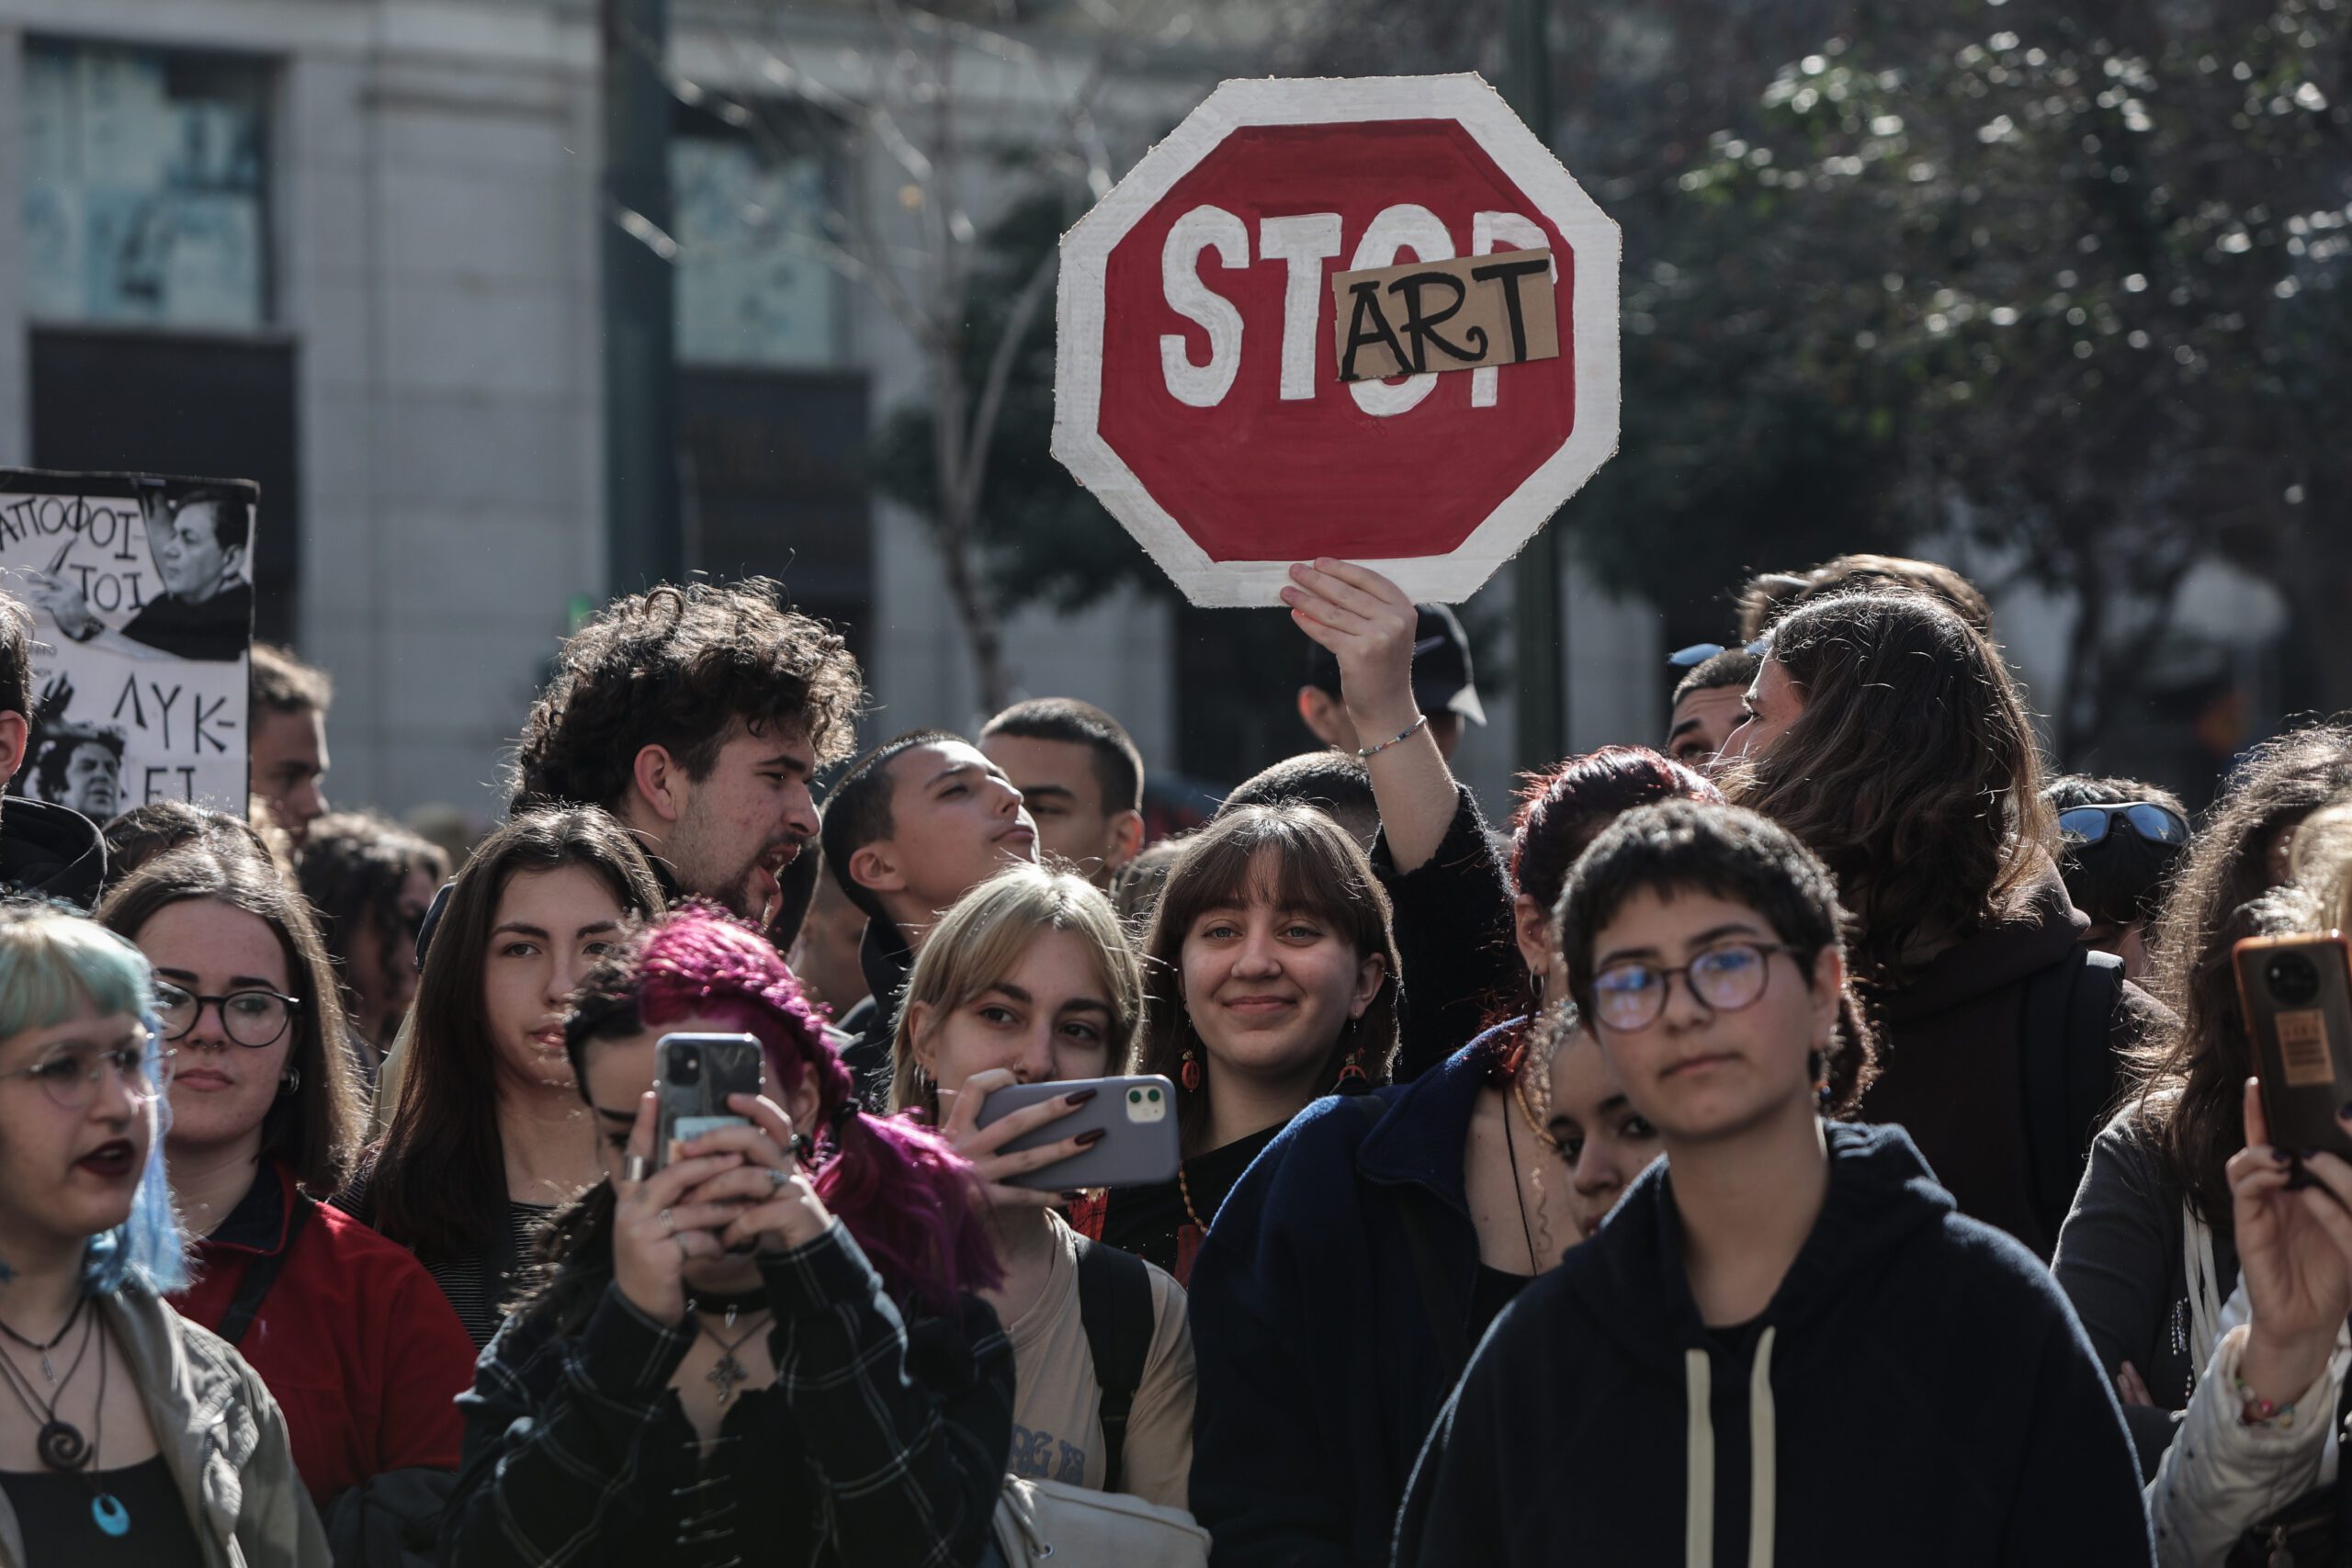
771	1346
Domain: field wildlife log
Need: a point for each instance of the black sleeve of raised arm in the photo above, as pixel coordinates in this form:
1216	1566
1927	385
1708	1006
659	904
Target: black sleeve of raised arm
1453	934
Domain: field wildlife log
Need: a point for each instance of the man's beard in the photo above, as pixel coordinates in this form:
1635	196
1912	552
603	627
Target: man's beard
756	892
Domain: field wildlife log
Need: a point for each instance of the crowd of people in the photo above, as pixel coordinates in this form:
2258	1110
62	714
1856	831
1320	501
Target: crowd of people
1814	1132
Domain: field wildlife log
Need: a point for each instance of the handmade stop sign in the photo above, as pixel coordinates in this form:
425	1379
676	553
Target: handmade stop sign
1200	341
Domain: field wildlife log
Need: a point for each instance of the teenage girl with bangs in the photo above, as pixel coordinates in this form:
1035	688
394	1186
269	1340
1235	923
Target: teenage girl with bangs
1272	980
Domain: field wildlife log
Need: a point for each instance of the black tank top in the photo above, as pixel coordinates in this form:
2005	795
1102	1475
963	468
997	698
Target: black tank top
53	1511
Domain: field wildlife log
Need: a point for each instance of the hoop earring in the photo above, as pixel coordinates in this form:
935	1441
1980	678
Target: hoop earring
291	1081
1535	985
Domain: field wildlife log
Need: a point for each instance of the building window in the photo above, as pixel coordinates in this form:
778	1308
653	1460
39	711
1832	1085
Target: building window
748	211
146	187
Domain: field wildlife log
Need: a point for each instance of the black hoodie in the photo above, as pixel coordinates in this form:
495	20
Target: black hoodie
1952	1064
50	851
1917	1393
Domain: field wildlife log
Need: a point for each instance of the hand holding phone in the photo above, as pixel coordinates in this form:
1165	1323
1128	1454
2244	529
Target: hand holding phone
1000	1172
656	1226
1124	1130
2294	1256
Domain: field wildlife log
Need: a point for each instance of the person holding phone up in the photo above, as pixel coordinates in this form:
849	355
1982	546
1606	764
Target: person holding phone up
2254	1437
2148	1253
1027	979
768	1345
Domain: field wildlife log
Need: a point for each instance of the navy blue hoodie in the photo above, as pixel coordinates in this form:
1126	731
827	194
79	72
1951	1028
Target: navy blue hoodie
1917	1393
1319	1366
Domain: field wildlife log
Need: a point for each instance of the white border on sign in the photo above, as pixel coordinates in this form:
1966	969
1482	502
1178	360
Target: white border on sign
1079	321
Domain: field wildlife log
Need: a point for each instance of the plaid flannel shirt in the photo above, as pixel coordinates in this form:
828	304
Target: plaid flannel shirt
890	1445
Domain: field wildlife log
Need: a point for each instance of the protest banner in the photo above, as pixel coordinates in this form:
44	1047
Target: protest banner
141	593
1202	389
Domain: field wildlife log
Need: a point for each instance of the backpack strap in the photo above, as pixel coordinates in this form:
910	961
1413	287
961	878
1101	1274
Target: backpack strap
261	1275
2070	1077
1114	1308
1445	1323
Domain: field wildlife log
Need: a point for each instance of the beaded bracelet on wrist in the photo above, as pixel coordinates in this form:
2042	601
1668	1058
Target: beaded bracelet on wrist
1405	734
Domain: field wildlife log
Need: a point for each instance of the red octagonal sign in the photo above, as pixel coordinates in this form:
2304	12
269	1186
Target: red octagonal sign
1196	388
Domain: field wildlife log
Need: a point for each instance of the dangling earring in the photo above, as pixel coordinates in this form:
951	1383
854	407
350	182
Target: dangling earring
1535	985
291	1081
1189	1074
1818	1062
1353	1077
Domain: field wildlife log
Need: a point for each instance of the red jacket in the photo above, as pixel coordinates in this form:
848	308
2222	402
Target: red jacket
354	1341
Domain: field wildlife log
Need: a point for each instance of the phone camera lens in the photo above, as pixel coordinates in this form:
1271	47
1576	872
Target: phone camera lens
685	1066
2293	978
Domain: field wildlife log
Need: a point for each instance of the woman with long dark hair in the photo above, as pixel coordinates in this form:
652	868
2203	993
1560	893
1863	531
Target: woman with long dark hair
2149	1255
769	1345
129	1438
487	1138
1886	733
1402	1223
358	1348
1272	978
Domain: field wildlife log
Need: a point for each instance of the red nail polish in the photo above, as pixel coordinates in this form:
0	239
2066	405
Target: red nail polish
1081	1097
1088	1140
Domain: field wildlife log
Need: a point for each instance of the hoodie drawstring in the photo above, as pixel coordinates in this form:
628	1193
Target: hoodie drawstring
1699	1464
1763	1459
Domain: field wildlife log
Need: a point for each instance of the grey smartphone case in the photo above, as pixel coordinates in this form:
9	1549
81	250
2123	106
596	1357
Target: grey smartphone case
1136	1116
693	1073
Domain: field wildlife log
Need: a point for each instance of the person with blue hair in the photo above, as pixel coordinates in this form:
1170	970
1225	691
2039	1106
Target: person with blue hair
128	1435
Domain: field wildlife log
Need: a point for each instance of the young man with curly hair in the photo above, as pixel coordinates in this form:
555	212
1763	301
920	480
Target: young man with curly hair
697	714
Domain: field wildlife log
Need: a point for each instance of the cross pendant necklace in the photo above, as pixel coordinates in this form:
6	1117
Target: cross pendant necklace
727	1374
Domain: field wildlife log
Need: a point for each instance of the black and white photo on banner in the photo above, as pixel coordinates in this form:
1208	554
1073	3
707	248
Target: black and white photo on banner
142	592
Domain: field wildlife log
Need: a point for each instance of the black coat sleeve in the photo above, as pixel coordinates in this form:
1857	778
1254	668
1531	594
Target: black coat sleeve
1453	936
1458	1495
2078	1497
1267	1480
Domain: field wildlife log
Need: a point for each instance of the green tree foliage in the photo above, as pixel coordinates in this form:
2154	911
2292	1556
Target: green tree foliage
2068	281
2072	278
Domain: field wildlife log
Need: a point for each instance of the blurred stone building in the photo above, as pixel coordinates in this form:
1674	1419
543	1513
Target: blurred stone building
350	249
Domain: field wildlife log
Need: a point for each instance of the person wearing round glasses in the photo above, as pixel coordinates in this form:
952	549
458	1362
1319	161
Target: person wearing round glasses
351	1334
1786	1345
129	1435
2118	840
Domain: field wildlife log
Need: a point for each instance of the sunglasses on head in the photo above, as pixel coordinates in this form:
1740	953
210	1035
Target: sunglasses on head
1700	652
2153	823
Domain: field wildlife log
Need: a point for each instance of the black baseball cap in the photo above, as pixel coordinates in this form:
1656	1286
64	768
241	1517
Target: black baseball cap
1441	676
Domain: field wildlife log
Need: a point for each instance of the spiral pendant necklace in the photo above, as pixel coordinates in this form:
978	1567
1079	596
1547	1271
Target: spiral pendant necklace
59	1443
